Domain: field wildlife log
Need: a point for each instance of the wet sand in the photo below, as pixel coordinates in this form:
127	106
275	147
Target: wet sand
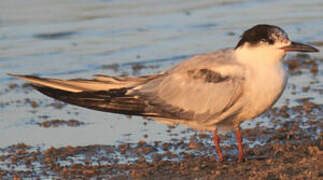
289	152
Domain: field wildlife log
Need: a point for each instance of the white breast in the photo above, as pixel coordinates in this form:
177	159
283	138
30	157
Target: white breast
262	89
265	80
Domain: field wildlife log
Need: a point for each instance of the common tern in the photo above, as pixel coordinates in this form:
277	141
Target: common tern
209	91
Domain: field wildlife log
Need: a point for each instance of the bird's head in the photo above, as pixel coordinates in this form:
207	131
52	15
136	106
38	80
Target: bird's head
268	40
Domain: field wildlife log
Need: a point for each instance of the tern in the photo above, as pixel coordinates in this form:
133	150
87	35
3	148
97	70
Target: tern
210	91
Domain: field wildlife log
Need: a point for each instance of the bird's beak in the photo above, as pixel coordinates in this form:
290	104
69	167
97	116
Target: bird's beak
299	47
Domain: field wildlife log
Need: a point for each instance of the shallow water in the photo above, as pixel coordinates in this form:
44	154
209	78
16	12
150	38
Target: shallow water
71	39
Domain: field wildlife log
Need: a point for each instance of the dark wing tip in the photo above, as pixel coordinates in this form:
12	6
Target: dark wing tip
21	76
12	75
16	75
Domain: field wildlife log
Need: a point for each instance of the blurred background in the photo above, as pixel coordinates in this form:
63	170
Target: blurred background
73	39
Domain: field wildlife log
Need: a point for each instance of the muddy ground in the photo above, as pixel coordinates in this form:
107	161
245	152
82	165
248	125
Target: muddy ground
290	152
291	149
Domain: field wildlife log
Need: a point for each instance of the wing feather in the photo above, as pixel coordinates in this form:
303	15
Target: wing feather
203	88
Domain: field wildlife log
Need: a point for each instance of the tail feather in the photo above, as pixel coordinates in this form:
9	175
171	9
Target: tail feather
54	83
100	83
104	93
115	101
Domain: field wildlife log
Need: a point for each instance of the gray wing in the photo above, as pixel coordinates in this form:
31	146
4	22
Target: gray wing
202	88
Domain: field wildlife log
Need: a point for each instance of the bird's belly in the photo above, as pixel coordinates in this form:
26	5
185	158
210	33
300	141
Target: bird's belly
262	93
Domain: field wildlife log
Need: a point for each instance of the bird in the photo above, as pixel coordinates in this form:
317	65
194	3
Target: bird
210	91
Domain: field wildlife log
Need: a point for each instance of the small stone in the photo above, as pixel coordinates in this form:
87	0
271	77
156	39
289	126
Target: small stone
193	145
217	172
88	172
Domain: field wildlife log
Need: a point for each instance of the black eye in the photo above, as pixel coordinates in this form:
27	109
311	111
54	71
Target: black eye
270	41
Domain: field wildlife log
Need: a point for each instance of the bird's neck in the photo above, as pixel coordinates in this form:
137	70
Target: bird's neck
258	56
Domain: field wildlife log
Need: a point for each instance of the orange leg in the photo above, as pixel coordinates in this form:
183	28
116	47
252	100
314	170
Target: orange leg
239	139
216	141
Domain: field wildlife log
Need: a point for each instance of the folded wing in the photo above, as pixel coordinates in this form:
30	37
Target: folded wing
207	88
